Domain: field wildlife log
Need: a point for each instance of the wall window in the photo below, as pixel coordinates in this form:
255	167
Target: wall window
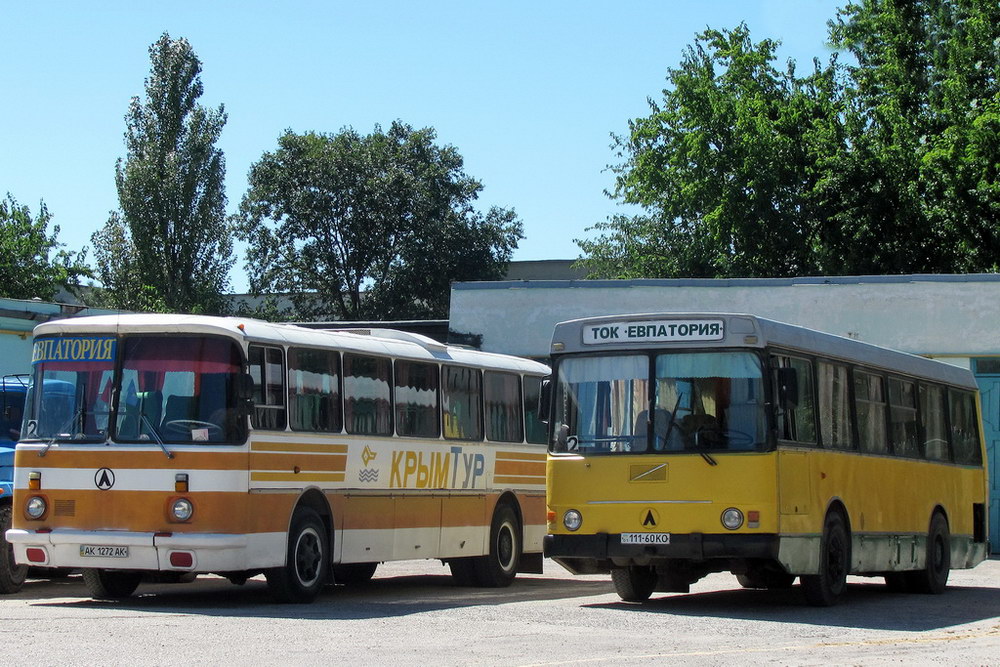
535	431
461	403
267	369
964	427
797	421
869	404
367	395
834	406
933	423
502	407
314	390
416	397
903	417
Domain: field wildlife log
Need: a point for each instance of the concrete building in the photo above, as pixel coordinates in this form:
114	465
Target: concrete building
954	318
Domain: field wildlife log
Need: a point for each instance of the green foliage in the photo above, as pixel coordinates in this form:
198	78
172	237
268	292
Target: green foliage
886	165
32	262
170	247
369	227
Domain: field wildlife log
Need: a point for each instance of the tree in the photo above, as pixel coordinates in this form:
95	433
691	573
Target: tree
170	246
886	165
369	227
32	262
729	168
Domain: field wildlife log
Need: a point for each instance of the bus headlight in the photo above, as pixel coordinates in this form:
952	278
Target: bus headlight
572	519
36	507
182	509
732	518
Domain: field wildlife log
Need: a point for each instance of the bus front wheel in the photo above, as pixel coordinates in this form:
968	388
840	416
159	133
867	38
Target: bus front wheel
634	583
304	573
826	588
498	568
111	584
12	575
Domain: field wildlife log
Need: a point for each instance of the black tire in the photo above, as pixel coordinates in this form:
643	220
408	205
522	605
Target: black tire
306	562
827	587
634	583
12	575
933	579
498	568
353	573
111	584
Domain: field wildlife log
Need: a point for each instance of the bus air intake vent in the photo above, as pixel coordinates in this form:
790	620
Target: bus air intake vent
65	508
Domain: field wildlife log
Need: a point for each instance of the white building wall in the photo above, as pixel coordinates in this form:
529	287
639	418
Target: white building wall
953	317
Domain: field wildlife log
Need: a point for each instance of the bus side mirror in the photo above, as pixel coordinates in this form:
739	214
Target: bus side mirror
544	400
788	387
244	388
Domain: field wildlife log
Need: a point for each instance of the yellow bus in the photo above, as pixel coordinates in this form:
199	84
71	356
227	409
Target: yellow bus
164	446
685	444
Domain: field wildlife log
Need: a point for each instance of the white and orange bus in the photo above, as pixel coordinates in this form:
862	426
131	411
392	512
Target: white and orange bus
690	443
172	445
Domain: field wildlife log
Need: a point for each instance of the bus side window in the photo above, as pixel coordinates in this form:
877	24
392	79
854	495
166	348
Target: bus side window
535	429
367	394
462	389
964	428
502	407
933	423
267	368
903	417
869	405
796	410
834	406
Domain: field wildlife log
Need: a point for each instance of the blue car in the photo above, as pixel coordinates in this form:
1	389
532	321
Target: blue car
12	393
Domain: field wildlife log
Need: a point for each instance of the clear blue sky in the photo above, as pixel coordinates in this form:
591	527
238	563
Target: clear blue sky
529	91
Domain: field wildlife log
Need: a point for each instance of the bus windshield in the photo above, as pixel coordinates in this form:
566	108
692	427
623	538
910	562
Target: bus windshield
170	389
676	402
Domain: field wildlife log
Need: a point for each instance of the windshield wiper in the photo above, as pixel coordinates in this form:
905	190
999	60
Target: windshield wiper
156	436
76	415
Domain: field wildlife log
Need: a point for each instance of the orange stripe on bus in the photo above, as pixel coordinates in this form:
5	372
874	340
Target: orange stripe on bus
319	448
519	468
259	476
521	456
500	479
302	461
110	457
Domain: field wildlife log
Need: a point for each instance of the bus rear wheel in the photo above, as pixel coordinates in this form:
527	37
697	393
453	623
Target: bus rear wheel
933	579
12	575
634	583
304	572
826	588
111	584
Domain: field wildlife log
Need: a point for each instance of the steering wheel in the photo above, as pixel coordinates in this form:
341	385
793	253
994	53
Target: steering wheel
188	425
733	437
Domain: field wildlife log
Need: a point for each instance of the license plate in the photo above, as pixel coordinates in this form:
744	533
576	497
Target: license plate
100	551
645	538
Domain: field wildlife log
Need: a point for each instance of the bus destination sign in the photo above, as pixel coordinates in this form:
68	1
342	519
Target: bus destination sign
653	331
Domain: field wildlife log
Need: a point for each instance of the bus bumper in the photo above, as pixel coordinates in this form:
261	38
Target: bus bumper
120	550
597	552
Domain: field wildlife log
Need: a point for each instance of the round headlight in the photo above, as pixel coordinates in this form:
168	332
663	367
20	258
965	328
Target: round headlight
182	509
35	507
572	520
732	518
